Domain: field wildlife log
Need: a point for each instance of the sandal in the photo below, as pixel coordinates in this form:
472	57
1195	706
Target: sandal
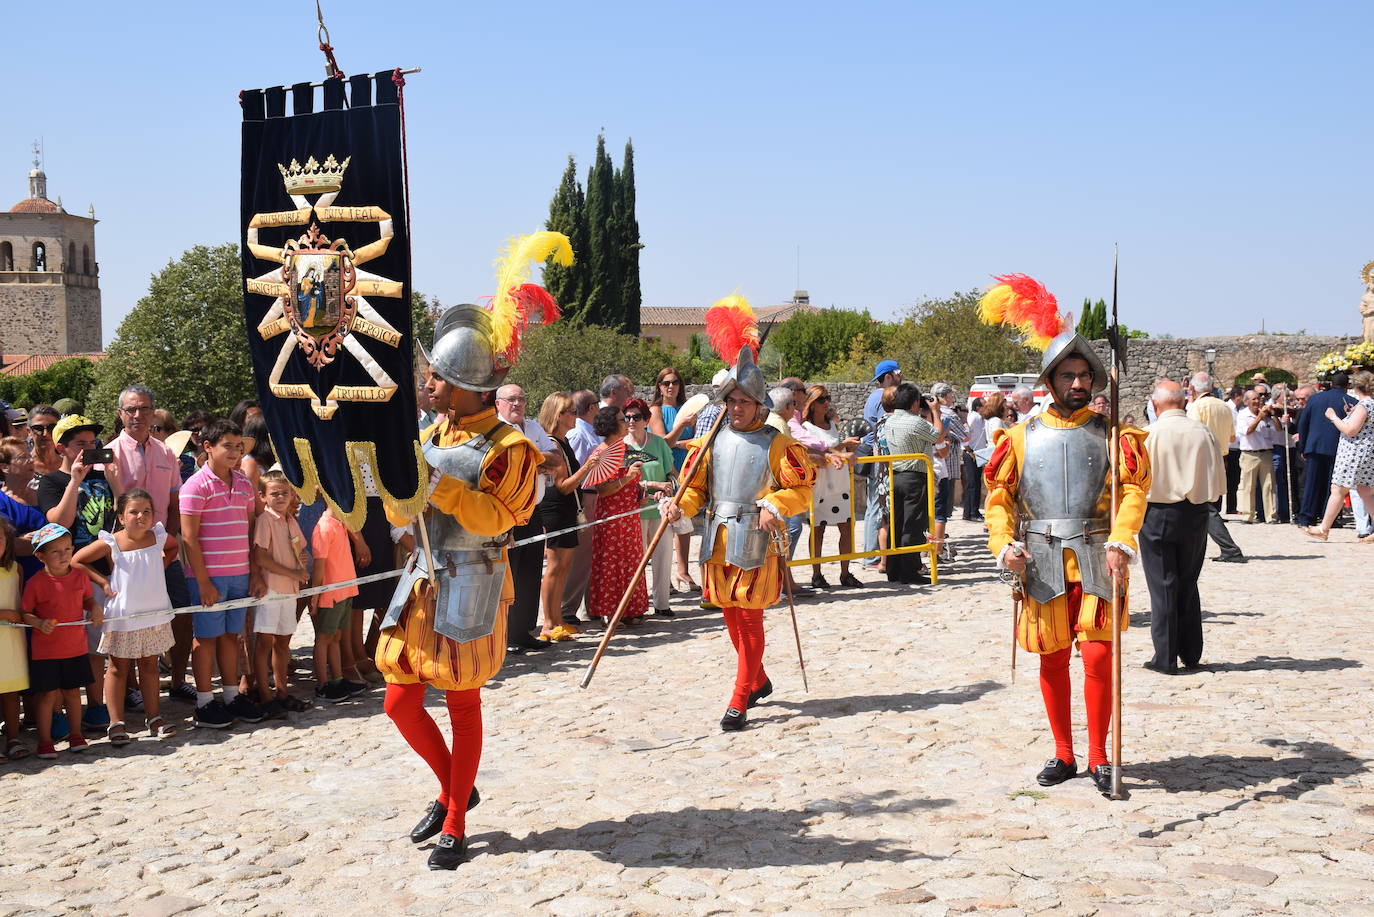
819	582
117	734
294	704
1317	533
849	579
15	750
158	728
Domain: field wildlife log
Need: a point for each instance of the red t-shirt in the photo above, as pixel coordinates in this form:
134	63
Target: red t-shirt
58	598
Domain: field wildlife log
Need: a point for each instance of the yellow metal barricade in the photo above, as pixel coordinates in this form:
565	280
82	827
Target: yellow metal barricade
927	548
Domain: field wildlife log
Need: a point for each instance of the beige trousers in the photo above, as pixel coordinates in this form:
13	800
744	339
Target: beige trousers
1256	467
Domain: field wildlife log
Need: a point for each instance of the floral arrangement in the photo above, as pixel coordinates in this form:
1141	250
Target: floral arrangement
1331	364
1360	356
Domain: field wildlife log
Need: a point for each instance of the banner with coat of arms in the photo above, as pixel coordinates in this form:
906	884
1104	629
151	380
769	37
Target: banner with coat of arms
326	268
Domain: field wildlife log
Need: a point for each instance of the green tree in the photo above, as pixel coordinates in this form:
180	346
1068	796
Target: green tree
1092	322
570	355
944	340
626	231
185	339
602	301
71	378
567	214
809	342
424	312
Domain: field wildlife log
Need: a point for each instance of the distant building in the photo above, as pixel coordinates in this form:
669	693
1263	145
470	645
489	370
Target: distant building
49	278
675	325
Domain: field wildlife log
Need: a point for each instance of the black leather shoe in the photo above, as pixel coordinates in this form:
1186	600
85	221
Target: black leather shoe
1159	668
733	721
473	798
1191	666
430	824
448	852
1231	559
1102	777
761	692
533	643
664	613
1056	771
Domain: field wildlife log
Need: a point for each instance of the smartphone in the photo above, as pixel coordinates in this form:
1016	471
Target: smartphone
97	456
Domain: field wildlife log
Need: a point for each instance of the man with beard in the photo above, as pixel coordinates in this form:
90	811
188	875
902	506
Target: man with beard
1049	522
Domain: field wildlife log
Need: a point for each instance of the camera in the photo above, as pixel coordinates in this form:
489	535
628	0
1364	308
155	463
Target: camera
97	456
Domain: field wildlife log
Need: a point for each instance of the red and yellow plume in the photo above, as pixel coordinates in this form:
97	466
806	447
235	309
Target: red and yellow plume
730	324
1024	302
518	304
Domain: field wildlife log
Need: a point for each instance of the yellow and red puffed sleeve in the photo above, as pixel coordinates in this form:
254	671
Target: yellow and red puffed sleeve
795	473
1003	475
1134	464
505	494
694	480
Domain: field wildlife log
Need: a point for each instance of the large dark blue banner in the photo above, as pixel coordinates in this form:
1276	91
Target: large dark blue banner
326	267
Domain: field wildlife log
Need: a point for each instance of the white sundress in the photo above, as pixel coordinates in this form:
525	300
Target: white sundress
139	586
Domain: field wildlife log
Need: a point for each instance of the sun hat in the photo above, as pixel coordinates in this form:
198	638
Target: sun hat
73	423
50	532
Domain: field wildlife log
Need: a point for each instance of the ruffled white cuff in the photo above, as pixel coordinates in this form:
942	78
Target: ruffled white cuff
765	503
1001	555
1125	549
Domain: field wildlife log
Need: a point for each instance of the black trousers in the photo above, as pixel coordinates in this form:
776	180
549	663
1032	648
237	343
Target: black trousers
973	489
1218	532
910	520
1173	542
1232	465
527	575
1316	487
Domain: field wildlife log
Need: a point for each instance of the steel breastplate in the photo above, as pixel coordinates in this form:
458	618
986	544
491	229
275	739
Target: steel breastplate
471	571
1064	503
739	475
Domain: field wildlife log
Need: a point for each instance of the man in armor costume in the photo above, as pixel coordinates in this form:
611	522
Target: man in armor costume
449	632
1048	517
752	479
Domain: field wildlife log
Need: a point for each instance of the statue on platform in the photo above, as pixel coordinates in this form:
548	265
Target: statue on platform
1367	301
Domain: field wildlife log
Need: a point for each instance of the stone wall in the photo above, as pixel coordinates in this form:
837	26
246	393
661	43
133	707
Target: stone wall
33	318
1179	358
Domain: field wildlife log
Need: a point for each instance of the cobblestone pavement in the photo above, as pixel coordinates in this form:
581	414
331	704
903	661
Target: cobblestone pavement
902	784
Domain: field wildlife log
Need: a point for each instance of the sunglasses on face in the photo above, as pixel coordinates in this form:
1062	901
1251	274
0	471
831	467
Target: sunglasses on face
671	382
630	418
45	429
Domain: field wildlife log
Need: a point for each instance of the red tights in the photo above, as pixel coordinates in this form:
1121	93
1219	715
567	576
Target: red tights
1097	697
456	769
746	633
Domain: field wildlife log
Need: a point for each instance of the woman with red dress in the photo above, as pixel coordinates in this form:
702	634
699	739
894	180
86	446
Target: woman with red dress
616	546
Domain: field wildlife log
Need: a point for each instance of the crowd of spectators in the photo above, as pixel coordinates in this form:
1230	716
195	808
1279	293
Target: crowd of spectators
119	530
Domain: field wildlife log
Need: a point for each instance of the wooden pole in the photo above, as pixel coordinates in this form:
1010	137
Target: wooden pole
1117	584
688	473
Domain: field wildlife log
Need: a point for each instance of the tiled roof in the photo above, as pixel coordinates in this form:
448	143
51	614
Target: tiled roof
21	364
35	205
696	315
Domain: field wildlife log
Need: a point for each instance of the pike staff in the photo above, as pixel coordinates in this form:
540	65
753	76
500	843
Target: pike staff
1118	581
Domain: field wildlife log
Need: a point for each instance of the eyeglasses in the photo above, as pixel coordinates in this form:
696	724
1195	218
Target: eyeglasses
671	382
567	411
629	418
41	428
823	399
517	400
138	409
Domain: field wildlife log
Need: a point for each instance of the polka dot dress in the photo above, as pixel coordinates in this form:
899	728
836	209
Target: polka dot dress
830	497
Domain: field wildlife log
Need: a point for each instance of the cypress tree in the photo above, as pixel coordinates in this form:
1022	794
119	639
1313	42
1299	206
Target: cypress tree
567	214
602	302
628	244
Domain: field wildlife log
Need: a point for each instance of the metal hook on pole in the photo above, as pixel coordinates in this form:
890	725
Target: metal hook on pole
331	66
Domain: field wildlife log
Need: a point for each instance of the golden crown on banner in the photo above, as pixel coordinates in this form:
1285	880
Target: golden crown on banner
314	177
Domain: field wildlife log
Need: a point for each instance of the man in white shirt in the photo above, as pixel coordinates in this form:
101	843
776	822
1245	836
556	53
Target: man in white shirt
1023	399
1255	429
1216	415
527	562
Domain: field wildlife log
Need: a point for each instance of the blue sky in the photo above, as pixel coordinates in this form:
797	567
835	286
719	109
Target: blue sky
909	149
